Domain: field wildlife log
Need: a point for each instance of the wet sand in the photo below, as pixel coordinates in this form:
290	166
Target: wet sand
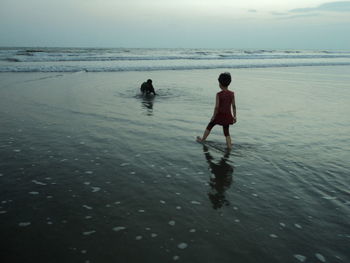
93	172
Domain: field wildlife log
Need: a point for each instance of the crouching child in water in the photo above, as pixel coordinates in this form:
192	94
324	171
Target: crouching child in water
225	100
147	87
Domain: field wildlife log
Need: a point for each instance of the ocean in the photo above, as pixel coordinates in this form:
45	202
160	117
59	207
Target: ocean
124	59
92	171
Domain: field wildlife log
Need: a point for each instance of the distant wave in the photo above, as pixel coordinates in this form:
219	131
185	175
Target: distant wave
253	56
73	69
119	54
122	59
219	57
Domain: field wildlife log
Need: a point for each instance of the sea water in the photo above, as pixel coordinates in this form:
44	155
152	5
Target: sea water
124	59
91	171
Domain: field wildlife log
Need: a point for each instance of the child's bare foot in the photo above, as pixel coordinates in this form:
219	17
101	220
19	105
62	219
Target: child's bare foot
199	139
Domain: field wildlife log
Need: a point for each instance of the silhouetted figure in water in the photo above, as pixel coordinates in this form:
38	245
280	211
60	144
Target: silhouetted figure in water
147	87
221	181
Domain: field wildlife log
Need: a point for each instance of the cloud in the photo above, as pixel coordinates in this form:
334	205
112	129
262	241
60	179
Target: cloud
299	16
339	7
343	6
278	13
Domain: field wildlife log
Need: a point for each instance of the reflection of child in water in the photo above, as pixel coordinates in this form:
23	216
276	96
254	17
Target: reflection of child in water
225	99
147	87
221	179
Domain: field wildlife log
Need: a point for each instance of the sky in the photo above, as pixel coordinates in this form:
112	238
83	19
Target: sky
296	24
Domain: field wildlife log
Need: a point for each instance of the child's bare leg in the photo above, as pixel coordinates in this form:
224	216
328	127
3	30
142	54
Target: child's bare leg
205	135
226	130
228	142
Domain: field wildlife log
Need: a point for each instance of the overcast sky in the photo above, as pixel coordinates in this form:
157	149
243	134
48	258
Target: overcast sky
178	23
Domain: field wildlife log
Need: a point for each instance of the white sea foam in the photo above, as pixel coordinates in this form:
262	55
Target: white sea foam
38	183
171	222
320	257
88	233
329	197
301	258
24	224
182	245
119	228
95	189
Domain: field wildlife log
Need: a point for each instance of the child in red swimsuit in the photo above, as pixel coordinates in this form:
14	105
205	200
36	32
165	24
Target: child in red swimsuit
225	99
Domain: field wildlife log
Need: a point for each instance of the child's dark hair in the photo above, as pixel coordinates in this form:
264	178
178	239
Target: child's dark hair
225	79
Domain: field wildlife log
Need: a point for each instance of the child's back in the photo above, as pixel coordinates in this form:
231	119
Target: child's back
224	115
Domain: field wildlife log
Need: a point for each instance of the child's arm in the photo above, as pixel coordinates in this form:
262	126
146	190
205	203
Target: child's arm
234	108
216	107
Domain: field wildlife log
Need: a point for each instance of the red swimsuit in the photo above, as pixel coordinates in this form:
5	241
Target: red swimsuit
224	116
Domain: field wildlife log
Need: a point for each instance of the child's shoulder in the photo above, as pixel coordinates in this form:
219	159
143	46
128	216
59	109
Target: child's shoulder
225	91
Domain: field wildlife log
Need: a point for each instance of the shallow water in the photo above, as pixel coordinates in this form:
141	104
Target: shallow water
93	172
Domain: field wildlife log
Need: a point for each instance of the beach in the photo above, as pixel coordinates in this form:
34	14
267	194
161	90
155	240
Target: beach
91	171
